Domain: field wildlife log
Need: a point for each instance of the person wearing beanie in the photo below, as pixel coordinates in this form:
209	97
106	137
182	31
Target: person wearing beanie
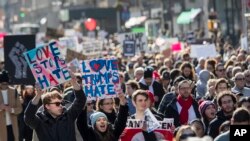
10	108
101	129
207	110
148	83
97	116
151	98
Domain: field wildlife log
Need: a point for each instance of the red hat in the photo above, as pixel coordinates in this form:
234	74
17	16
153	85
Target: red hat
151	96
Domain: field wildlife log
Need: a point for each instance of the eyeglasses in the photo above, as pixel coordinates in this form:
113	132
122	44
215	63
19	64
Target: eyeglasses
240	79
221	70
57	103
185	136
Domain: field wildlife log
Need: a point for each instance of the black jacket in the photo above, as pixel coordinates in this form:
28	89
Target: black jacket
213	128
89	134
172	111
158	91
60	129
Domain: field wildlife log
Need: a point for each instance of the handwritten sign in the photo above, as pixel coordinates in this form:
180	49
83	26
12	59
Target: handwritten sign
92	47
47	65
100	77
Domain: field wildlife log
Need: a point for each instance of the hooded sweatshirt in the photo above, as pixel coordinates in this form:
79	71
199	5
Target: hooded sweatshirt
204	76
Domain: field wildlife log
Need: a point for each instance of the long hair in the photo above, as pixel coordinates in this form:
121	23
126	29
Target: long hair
107	136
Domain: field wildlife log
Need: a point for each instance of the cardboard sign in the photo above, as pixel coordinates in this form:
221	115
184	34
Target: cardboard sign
129	48
140	40
47	65
205	51
100	77
134	132
71	55
15	63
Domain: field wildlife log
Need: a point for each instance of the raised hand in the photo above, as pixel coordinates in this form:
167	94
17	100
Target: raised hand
74	83
38	89
121	97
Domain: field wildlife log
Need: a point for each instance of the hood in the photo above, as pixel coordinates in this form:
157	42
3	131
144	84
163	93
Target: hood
204	76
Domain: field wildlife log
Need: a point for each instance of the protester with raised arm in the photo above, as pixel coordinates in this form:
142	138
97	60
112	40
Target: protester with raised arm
55	122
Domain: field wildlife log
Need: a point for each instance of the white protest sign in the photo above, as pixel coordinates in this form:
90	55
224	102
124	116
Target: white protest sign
139	38
100	77
152	122
68	43
92	47
205	51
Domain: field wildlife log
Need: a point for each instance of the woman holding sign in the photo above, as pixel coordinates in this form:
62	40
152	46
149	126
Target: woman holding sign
101	129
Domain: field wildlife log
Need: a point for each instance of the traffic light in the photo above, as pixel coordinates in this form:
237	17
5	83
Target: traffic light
212	22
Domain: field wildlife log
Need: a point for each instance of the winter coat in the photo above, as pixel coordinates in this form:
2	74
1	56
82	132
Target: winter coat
61	128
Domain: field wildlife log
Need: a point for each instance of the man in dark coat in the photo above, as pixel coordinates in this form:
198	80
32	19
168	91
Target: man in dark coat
183	108
148	83
227	103
55	122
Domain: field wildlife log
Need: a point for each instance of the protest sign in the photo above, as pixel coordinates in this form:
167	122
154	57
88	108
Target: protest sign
71	55
92	47
47	65
100	77
15	63
140	40
134	130
205	51
75	66
176	47
66	43
129	48
152	122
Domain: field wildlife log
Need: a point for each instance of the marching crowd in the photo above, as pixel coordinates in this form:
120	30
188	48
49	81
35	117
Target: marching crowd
204	96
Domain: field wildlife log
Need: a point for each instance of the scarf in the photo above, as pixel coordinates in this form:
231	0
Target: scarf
184	110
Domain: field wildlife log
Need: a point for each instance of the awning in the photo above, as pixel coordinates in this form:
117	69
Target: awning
187	17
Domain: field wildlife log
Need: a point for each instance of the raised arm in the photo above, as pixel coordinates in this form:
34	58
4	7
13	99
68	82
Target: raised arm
30	117
122	116
80	98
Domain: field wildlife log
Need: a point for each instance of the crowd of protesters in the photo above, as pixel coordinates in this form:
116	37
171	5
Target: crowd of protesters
203	95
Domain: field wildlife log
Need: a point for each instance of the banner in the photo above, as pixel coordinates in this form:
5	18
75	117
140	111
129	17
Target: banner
47	65
140	40
100	77
134	130
129	48
15	63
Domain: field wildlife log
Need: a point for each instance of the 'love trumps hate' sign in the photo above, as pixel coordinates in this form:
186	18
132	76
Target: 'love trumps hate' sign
100	77
47	65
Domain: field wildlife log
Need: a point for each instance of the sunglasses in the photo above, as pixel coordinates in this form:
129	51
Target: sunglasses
57	103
